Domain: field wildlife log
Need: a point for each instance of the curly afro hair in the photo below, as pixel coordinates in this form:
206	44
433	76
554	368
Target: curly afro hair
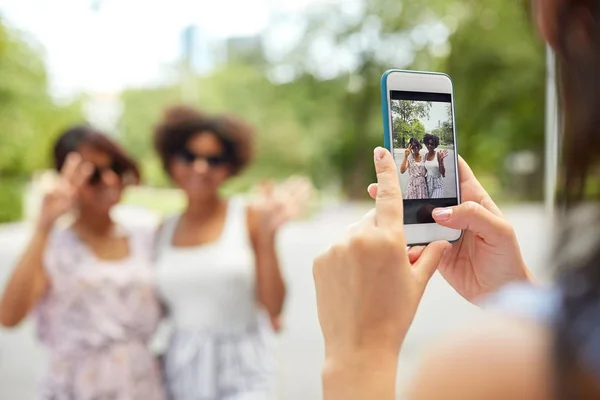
430	136
181	123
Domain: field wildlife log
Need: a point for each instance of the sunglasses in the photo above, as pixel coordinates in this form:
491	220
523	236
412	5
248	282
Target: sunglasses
187	157
96	176
430	144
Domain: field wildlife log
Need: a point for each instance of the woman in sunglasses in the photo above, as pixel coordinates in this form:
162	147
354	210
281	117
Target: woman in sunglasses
414	163
89	283
217	267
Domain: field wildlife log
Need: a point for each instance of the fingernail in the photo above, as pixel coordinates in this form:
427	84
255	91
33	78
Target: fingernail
379	153
442	214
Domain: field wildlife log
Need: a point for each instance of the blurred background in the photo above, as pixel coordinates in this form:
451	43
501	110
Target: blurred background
306	74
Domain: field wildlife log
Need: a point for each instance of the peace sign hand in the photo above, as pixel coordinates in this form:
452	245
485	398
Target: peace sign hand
407	151
60	198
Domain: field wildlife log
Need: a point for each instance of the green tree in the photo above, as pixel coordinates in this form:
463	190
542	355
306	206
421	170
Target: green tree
30	119
405	131
488	48
326	118
497	65
405	115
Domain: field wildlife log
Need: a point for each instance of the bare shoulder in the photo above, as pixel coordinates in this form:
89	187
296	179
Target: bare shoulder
498	357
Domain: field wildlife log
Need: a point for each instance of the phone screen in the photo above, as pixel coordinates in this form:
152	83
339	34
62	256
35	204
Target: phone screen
424	151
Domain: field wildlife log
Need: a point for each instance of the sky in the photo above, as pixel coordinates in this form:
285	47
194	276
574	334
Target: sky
129	42
437	113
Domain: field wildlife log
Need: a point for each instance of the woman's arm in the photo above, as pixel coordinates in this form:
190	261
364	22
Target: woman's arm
27	283
440	159
404	165
371	376
270	287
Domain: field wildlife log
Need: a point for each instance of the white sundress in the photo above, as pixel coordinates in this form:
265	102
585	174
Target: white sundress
222	344
435	180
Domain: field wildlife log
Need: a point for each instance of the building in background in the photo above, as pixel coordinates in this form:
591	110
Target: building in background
197	50
246	49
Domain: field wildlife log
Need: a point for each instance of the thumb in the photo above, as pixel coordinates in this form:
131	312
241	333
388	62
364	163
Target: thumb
473	217
430	259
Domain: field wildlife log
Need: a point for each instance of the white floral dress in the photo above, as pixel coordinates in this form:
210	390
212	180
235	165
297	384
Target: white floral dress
96	320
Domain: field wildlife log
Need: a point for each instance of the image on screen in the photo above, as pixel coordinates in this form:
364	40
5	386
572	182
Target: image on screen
423	147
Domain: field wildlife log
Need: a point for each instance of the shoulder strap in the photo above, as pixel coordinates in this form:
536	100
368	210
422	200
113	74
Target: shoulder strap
236	223
165	232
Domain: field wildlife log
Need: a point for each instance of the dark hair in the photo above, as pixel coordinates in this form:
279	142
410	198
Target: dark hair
577	342
415	140
75	137
430	136
181	123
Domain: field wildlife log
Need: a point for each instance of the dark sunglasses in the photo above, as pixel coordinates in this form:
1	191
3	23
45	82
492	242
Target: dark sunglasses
96	176
188	157
430	144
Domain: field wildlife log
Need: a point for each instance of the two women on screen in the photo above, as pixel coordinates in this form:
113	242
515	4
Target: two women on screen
426	170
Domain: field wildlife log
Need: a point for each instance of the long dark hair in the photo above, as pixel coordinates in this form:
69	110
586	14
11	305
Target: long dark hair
577	326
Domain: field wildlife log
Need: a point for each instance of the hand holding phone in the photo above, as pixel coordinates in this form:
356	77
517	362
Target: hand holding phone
418	115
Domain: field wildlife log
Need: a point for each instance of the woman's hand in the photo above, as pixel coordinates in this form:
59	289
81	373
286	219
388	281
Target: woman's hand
407	151
368	293
275	205
60	199
28	281
488	255
441	155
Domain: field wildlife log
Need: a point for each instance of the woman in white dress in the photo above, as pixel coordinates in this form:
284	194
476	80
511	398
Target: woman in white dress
434	163
217	267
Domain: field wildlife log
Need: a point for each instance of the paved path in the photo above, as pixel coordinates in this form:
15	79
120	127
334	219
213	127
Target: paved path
300	347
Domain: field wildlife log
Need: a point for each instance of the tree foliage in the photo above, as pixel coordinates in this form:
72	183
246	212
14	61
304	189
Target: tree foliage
29	118
326	119
405	120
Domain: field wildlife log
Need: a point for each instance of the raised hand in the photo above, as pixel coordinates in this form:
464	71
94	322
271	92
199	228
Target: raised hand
368	293
60	198
277	204
408	150
441	155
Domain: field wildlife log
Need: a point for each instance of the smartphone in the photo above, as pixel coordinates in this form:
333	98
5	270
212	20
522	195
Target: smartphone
419	130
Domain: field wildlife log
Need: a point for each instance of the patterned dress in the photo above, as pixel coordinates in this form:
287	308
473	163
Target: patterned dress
95	320
417	183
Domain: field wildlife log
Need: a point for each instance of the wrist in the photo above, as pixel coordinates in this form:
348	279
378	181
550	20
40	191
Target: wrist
371	375
266	238
44	226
